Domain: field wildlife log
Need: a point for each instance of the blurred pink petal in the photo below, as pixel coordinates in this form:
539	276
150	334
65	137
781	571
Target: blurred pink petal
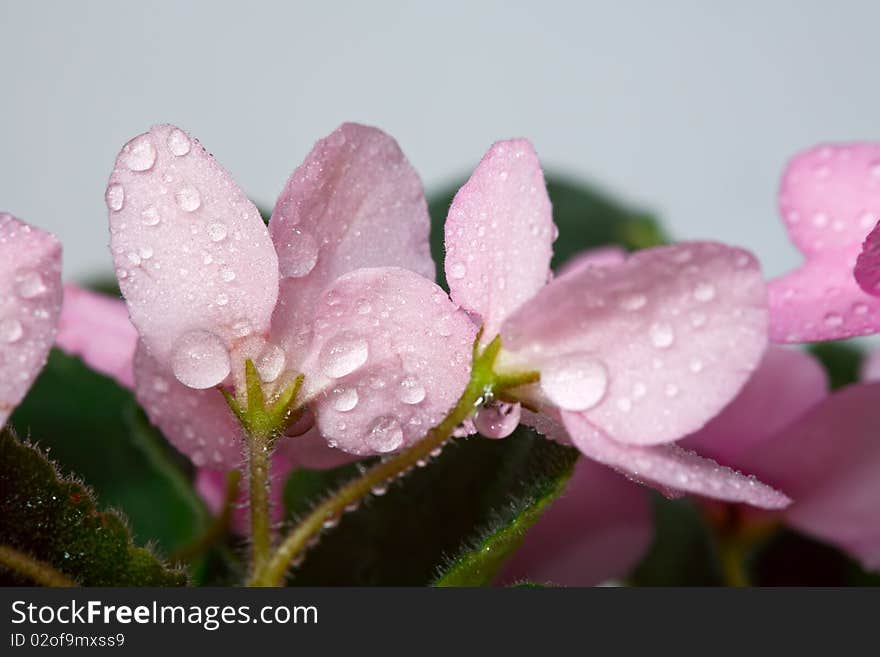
390	356
828	462
599	529
671	466
96	328
787	383
867	269
355	202
605	256
649	350
871	366
829	200
197	422
310	450
192	255
30	302
499	235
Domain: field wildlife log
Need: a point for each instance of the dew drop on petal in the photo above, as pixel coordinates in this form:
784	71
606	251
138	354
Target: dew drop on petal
385	435
29	284
298	255
342	355
411	391
633	301
115	197
178	142
498	420
833	320
139	154
704	292
345	399
457	270
270	362
217	232
188	198
575	383
662	335
11	330
150	216
200	360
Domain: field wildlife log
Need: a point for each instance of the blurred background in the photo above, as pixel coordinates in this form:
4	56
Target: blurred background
687	109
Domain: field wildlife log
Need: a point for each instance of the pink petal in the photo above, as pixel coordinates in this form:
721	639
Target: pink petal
648	350
821	301
787	383
871	367
310	450
355	202
828	462
391	355
598	530
211	485
193	257
197	422
829	200
605	256
867	269
499	235
30	301
96	328
670	466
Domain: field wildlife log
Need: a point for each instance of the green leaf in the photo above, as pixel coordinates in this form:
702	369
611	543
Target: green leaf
585	216
54	519
842	361
478	492
95	429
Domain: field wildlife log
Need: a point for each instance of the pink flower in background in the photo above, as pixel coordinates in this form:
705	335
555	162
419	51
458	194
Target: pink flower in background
829	200
30	300
631	356
334	288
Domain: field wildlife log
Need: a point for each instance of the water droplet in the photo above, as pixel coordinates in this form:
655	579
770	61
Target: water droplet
696	365
385	434
270	362
200	360
342	355
820	220
222	299
133	258
150	216
860	309
363	307
11	330
146	252
704	292
217	232
178	142
298	255
188	198
29	284
498	420
345	399
115	197
671	390
662	335
139	154
633	301
833	320
575	383
227	274
241	328
411	391
457	270
867	220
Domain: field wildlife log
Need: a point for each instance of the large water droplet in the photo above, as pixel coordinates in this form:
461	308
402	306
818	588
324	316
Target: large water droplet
188	198
385	434
200	360
270	362
178	142
150	216
11	330
575	383
662	335
411	391
497	420
345	399
139	154
704	292
115	197
29	284
217	232
342	355
298	255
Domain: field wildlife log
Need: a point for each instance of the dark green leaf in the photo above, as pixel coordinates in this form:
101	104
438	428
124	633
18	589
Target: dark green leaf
95	430
585	216
468	495
54	519
842	361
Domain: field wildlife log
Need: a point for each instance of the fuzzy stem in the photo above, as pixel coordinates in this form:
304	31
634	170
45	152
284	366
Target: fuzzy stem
34	569
483	380
260	453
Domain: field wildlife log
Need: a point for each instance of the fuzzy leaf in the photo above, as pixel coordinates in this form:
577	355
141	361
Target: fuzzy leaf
54	519
477	492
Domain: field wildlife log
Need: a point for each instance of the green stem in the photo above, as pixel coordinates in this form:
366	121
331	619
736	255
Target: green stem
34	569
483	379
218	527
260	453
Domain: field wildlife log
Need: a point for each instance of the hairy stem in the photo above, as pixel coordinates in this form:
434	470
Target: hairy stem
259	456
34	569
483	380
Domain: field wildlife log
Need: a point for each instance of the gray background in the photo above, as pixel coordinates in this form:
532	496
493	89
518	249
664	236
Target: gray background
689	108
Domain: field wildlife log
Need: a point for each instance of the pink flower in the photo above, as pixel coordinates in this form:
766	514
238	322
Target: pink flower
30	300
631	357
334	289
822	450
830	201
